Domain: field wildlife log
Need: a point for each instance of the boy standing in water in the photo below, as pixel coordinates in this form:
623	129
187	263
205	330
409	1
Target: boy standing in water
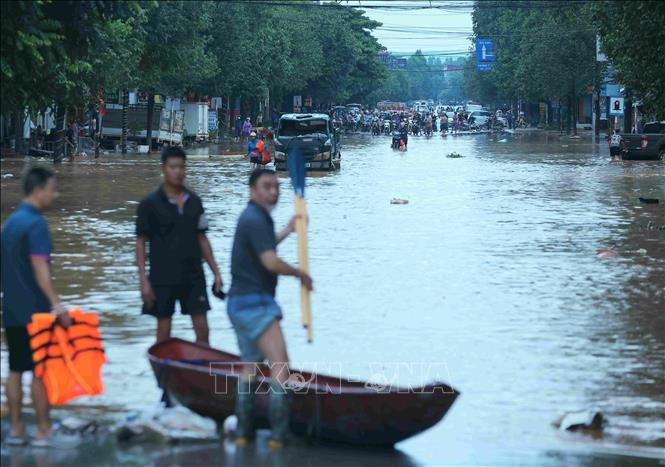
615	146
172	219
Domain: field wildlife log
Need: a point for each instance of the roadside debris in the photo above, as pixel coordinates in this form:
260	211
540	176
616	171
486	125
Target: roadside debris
230	425
79	426
454	155
173	425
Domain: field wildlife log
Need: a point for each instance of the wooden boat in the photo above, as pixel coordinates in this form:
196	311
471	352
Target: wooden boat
323	407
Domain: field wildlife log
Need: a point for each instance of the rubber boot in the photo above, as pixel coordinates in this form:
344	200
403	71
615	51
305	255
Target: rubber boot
245	415
278	413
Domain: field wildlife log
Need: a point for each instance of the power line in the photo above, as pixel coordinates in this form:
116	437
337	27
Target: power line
449	6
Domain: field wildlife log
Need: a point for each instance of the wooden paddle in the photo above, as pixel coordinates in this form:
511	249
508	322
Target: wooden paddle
296	166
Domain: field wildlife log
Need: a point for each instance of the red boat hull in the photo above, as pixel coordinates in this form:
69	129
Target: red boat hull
329	409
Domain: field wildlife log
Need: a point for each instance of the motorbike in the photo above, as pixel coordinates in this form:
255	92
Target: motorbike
397	137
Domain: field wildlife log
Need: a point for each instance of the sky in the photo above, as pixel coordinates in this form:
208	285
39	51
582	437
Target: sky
440	30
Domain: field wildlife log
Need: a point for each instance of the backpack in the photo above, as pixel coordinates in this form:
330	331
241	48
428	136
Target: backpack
265	157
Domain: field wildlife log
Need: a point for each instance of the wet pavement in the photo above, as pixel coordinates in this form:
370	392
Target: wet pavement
489	279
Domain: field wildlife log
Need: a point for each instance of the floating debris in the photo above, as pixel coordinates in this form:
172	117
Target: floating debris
504	140
606	253
399	201
649	200
8	176
454	155
586	420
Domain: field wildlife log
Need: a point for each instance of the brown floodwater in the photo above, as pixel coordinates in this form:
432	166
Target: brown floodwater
489	279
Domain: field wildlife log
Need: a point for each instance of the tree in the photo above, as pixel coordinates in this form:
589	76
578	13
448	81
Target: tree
633	38
176	55
540	54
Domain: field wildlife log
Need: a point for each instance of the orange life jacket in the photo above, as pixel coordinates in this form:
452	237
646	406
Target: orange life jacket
69	361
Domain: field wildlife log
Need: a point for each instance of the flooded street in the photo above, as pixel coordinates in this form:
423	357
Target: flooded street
489	277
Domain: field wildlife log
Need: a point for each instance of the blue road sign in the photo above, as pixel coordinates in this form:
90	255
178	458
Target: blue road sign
484	66
484	50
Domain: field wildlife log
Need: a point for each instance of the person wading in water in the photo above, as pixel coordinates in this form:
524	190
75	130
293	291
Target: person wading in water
252	308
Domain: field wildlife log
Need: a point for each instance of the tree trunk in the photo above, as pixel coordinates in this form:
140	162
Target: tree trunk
18	132
596	109
570	114
628	116
123	124
559	118
60	124
574	108
151	111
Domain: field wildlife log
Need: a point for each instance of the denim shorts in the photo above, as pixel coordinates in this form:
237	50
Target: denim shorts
250	316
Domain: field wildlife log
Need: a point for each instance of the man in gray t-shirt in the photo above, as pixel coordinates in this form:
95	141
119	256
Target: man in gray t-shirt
252	308
254	235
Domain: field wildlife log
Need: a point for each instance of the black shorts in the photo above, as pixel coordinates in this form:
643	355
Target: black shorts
18	345
193	300
615	151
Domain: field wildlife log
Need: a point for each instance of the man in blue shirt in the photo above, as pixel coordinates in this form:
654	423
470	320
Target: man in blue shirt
252	308
27	289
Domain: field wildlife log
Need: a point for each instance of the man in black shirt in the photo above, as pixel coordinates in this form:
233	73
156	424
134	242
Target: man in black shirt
172	219
252	308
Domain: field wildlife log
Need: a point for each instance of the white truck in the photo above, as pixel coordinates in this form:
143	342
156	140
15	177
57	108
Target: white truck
196	120
166	125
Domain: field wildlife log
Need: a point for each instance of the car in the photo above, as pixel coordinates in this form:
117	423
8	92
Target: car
314	135
501	118
479	117
473	107
648	145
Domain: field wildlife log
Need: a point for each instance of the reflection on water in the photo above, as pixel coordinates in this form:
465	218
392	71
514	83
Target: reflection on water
490	270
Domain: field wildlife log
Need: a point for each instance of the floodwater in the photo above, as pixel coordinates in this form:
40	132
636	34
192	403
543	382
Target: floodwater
488	278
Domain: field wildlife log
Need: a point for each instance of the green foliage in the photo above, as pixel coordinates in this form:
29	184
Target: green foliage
31	46
70	51
633	38
423	78
175	56
540	53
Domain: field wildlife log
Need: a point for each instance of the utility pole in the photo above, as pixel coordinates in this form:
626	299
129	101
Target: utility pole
150	118
123	137
628	114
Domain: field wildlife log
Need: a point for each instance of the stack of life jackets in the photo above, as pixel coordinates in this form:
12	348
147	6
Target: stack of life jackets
68	361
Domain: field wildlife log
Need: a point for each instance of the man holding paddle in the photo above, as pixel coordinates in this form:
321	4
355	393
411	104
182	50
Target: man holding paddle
252	308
